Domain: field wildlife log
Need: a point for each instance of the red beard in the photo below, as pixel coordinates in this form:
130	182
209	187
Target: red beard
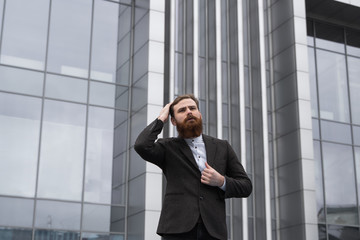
191	127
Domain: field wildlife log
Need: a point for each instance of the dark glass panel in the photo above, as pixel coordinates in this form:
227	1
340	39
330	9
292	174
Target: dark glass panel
353	42
343	233
329	37
319	183
56	235
15	234
354	82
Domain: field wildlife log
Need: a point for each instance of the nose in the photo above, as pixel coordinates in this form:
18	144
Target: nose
188	111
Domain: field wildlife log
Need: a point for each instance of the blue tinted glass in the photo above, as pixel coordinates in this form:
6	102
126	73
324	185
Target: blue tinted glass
56	235
15	234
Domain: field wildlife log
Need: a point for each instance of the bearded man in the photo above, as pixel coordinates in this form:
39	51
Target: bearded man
201	171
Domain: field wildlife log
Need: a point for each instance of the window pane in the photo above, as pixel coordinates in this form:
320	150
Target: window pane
335	132
21	81
16	212
100	236
356	134
333	90
19	144
104	44
62	151
102	94
354	81
14	234
66	88
70	37
329	37
56	235
313	88
353	42
339	177
319	183
96	218
58	215
117	219
343	232
99	155
25	31
357	162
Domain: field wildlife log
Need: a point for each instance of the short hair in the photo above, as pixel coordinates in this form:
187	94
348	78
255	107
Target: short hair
182	97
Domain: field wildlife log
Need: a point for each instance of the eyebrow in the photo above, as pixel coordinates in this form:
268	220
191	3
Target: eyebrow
189	106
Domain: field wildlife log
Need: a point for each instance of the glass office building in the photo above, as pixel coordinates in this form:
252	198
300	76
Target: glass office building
79	80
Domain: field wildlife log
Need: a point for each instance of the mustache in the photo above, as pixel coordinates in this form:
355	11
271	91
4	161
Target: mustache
189	117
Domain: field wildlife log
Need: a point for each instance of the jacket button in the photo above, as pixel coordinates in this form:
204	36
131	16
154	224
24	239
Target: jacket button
201	198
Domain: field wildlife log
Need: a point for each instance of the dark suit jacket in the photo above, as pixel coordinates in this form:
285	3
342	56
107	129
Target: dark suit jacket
186	198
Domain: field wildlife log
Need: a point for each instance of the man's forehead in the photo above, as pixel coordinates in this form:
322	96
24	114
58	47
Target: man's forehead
184	103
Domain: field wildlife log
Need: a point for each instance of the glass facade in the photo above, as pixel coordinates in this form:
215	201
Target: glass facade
79	80
334	112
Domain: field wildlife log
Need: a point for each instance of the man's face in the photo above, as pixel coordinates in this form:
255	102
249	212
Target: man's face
187	118
184	109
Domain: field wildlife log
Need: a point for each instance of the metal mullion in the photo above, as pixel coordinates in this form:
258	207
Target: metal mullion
184	45
218	68
207	66
41	120
2	25
320	135
131	70
351	125
87	116
196	47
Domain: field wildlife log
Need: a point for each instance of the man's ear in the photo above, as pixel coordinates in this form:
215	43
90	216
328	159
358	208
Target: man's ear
173	121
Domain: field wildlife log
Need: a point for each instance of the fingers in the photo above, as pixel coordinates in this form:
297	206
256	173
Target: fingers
164	113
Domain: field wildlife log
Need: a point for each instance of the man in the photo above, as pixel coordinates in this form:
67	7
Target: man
201	171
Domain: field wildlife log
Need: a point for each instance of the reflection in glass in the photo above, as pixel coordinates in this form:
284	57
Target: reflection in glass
313	88
319	183
66	88
99	236
55	235
329	37
357	164
104	41
19	144
333	90
335	132
102	94
62	151
353	42
338	162
69	41
96	218
117	219
356	135
99	155
354	81
11	233
343	233
322	232
16	212
58	215
24	35
21	81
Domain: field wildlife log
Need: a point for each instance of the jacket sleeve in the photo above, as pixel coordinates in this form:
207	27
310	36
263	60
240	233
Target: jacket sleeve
146	145
238	184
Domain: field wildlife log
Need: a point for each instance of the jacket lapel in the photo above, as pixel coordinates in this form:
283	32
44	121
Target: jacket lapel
185	149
